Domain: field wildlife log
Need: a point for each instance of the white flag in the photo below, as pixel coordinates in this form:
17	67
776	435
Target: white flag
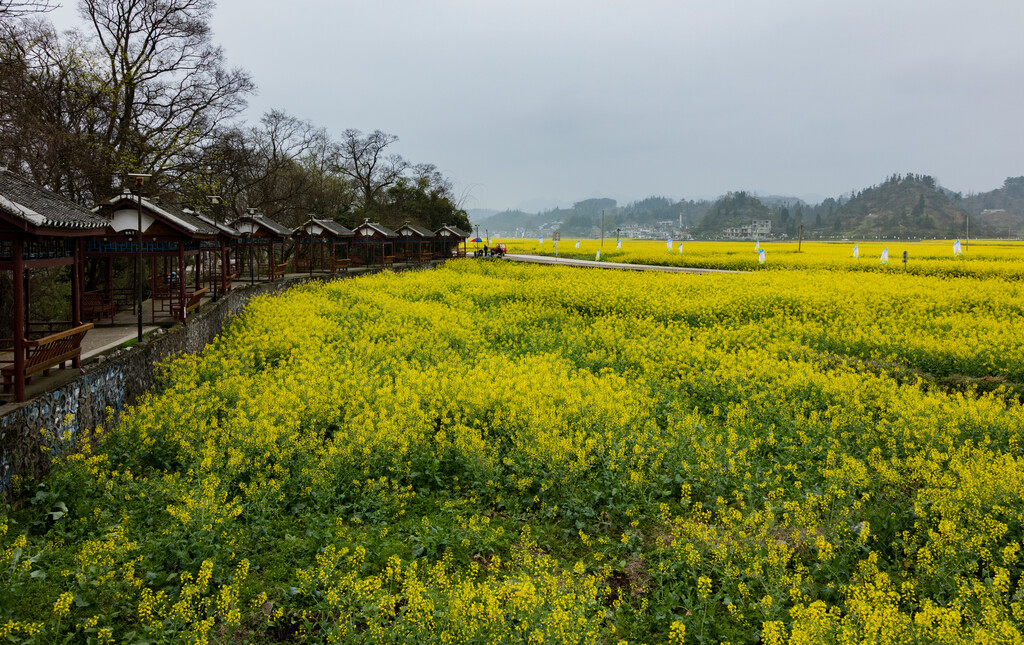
618	245
670	244
680	248
885	256
757	244
957	251
542	241
598	256
856	251
760	257
578	244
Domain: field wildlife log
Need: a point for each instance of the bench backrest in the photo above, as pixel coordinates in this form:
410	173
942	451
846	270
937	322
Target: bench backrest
55	348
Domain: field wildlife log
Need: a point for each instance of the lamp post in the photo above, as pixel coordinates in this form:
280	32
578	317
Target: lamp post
215	202
252	277
140	180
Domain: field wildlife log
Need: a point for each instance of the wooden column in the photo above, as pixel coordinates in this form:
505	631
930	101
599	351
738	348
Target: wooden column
76	285
223	267
199	267
181	278
76	295
19	319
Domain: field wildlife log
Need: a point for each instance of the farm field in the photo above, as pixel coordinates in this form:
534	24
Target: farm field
823	450
983	259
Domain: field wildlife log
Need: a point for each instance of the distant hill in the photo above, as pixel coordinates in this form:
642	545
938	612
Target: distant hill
508	222
662	209
477	215
1001	209
904	205
734	209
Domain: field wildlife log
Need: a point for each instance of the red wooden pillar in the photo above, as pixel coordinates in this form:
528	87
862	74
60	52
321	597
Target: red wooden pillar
76	294
223	267
181	278
19	320
76	285
152	289
199	267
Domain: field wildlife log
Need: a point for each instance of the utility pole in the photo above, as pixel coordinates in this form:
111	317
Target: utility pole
602	231
801	241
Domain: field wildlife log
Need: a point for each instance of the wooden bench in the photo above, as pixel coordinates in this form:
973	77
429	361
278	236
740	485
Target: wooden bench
98	304
341	263
48	352
279	270
192	301
229	281
389	260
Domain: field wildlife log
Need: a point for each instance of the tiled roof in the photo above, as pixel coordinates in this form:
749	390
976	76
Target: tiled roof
380	228
334	227
185	220
192	218
223	228
456	232
418	230
265	222
39	207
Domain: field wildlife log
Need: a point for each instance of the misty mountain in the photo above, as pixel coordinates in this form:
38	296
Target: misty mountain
1001	209
480	214
905	205
735	209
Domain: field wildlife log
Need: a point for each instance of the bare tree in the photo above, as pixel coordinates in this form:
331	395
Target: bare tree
284	166
167	84
10	9
366	162
50	99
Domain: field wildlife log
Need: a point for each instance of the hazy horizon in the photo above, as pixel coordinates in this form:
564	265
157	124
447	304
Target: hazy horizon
535	102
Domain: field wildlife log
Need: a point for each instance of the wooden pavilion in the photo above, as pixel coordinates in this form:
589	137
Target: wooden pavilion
39	229
261	247
415	243
222	269
373	244
447	240
174	244
322	245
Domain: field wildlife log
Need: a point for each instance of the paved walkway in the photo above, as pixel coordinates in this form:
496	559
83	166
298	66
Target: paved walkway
546	259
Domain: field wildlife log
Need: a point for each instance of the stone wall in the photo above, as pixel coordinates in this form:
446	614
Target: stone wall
108	384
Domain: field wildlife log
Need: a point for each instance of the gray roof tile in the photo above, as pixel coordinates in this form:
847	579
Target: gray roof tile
42	208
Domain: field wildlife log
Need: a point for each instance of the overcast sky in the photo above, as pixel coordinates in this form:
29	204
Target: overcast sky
532	103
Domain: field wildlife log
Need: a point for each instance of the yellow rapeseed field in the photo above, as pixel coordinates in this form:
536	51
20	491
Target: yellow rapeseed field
822	449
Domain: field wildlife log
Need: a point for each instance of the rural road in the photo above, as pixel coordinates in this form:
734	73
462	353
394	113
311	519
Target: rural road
544	259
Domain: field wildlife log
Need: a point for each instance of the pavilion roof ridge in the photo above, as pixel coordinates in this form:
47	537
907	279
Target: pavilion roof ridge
41	207
416	228
187	221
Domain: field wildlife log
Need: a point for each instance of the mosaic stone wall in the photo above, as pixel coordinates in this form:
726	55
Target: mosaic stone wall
106	386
